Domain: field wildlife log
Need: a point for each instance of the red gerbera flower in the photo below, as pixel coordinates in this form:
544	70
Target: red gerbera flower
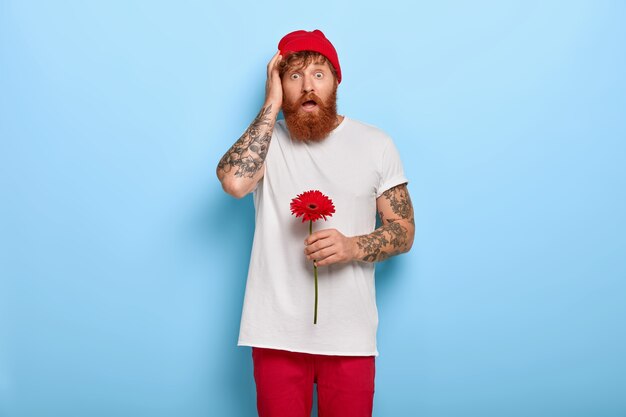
312	205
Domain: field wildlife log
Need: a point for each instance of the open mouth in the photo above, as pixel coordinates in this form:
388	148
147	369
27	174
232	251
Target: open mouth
308	105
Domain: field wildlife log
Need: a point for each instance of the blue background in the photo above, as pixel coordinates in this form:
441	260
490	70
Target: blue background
123	263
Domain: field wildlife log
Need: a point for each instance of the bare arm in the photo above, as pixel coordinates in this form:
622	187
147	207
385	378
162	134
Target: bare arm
393	237
397	230
243	165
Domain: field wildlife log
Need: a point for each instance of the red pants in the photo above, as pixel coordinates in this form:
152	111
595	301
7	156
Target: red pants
284	384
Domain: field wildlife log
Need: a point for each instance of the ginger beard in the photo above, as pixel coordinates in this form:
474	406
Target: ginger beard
315	125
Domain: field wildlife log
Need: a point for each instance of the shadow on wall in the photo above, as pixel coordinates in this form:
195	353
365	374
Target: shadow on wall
224	227
387	276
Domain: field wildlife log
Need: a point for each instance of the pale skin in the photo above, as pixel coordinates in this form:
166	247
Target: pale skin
243	165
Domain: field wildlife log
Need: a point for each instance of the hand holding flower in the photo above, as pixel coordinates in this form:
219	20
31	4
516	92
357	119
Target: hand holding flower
312	206
330	246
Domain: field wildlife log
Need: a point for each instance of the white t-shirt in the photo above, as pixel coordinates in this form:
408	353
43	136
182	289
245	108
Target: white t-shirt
353	166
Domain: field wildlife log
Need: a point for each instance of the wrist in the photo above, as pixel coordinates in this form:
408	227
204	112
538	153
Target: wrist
354	248
274	103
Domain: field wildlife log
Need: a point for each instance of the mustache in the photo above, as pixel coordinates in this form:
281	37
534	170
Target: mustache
310	96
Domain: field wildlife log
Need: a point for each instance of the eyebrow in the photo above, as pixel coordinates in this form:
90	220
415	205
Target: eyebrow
314	69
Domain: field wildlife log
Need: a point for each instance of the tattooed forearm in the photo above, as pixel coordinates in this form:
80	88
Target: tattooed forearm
395	235
388	240
248	154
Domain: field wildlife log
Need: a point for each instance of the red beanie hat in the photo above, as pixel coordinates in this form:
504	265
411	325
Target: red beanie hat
302	40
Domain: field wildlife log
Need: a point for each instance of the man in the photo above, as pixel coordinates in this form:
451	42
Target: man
358	167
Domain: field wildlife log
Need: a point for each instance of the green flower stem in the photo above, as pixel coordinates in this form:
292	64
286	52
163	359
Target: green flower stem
315	275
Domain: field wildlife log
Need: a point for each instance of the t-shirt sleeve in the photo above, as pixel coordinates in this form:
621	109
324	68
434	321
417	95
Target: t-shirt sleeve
391	171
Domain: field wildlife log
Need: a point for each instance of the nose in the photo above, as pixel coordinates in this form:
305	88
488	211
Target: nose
307	85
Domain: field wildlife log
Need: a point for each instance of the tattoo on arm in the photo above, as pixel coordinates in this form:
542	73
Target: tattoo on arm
400	202
386	241
248	154
392	237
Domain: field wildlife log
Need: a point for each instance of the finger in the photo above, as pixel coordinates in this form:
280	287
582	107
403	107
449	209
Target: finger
272	65
333	259
320	244
320	234
275	60
321	254
276	68
275	57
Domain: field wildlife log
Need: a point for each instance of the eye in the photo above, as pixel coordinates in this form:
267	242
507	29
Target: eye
294	76
319	75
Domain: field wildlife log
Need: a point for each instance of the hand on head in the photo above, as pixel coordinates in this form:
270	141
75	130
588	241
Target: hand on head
273	86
